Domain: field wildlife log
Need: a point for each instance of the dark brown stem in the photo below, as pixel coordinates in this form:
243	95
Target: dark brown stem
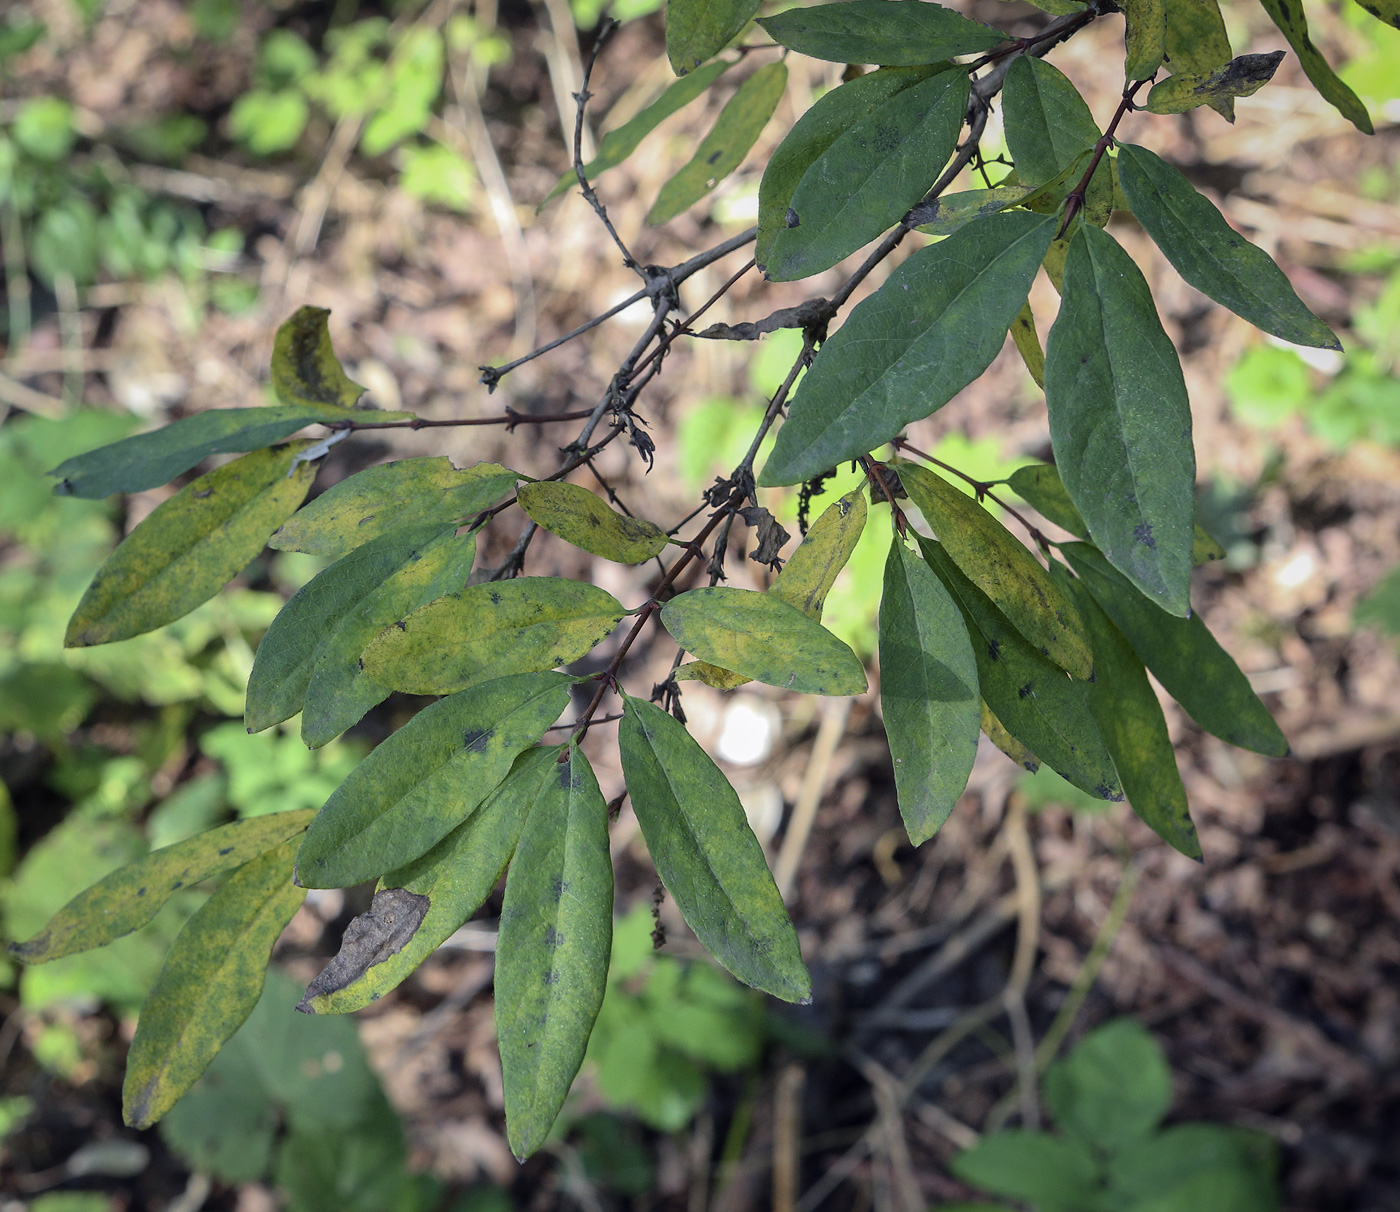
875	473
605	31
1074	202
510	419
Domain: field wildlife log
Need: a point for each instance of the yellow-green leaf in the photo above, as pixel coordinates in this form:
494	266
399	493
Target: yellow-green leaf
209	984
1145	37
1242	77
1385	10
427	778
552	954
305	369
485	631
1289	16
1204	549
580	517
132	895
767	640
455	877
1002	568
998	735
190	546
1027	342
380	499
711	675
1197	44
706	853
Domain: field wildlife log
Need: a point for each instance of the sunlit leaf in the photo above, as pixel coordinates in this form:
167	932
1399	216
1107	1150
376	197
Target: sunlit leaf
1002	568
764	639
891	33
928	692
1120	420
698	29
132	895
904	352
552	953
1183	656
391	496
305	369
1386	10
191	546
735	131
706	854
210	983
427	778
949	212
487	630
580	517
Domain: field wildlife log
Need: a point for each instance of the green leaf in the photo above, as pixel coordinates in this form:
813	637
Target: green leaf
209	984
707	855
1054	1173
735	131
579	517
340	691
832	116
1384	10
933	327
1242	77
1113	1089
456	876
1145	37
485	631
1292	21
946	214
287	655
1002	568
305	369
427	778
132	895
1120	420
1183	656
552	953
1133	727
928	692
871	174
767	640
1165	1160
191	546
699	29
1221	1188
891	33
1040	485
618	144
1197	44
151	459
1211	255
380	499
996	732
1027	342
1037	702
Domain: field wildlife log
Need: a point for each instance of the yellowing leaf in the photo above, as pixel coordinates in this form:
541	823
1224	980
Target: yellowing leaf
209	985
132	895
1292	21
305	369
579	517
998	735
190	546
1145	37
1002	568
488	630
1027	342
1242	77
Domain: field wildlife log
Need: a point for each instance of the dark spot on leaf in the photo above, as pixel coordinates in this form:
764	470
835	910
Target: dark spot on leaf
1142	533
1026	692
226	850
177	884
791	218
475	740
495	598
558	888
140	892
714	158
369	517
401	625
552	937
994	649
201	493
551	977
1105	792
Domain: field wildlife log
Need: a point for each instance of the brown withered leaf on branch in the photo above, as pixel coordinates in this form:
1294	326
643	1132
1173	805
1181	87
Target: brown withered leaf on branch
392	918
771	536
804	315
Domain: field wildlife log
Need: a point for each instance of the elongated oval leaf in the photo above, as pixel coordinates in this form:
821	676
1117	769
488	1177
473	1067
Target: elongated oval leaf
698	29
305	369
1211	255
209	984
914	344
1242	77
191	546
617	145
891	33
1145	37
553	949
1183	655
151	459
1037	702
1048	124
579	517
735	131
1120	420
427	778
1292	21
869	176
485	631
132	895
947	213
764	639
287	655
832	116
1027	342
1003	569
455	877
1133	727
928	692
706	854
340	691
393	495
1197	44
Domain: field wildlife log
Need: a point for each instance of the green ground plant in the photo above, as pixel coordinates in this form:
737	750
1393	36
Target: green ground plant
1048	654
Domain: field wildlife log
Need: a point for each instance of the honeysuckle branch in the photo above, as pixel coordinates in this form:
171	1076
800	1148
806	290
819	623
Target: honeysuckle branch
1074	201
605	31
510	418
